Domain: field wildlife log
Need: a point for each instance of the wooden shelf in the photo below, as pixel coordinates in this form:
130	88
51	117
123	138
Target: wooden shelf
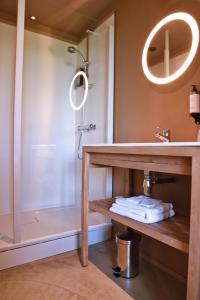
173	231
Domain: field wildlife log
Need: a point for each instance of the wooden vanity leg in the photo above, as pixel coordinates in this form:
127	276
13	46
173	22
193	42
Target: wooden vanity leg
84	211
193	287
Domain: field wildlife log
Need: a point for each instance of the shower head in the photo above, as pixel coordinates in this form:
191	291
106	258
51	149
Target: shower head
72	49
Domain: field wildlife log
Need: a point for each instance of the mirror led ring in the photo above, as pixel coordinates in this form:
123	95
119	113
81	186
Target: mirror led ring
195	41
74	107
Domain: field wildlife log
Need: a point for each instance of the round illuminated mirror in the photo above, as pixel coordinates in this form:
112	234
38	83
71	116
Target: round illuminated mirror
170	48
83	100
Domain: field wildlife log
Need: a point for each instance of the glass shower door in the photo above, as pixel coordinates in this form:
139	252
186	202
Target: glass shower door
7	71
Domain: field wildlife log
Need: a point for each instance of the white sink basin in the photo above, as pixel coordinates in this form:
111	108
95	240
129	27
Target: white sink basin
170	144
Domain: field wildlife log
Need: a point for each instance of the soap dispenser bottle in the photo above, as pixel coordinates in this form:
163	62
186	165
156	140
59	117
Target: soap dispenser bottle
195	108
195	104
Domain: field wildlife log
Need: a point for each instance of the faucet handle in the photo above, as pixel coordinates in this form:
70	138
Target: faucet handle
166	132
164	135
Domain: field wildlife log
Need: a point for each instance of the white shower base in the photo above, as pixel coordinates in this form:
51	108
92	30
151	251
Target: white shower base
47	232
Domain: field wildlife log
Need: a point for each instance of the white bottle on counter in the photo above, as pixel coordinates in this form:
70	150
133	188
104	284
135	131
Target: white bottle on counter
194	101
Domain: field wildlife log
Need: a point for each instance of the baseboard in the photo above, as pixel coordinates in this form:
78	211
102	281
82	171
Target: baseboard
29	253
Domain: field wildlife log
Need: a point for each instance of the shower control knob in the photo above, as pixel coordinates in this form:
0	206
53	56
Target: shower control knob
92	126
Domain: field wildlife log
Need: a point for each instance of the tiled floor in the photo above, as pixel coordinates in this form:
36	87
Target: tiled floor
58	278
62	277
150	284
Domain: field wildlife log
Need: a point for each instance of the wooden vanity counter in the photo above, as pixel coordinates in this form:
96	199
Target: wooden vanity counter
179	232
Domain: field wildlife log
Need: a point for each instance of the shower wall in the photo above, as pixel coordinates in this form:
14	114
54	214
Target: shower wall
51	172
48	124
99	105
46	219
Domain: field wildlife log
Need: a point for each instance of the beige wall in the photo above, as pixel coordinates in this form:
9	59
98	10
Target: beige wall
141	106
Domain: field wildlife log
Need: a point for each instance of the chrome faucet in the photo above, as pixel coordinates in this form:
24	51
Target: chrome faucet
164	136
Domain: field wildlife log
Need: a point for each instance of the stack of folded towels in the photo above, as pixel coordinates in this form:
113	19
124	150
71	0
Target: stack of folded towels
143	209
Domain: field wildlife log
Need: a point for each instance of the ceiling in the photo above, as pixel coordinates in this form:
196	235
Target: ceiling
67	19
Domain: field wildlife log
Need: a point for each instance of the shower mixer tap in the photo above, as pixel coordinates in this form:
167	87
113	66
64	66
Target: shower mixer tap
88	127
81	130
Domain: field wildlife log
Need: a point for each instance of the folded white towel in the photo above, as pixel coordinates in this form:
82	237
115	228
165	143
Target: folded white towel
148	220
140	200
143	210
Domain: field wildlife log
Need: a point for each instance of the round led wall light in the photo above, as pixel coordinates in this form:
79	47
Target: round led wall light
74	107
195	41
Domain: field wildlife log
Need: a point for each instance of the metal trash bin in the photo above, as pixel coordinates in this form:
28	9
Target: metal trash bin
127	254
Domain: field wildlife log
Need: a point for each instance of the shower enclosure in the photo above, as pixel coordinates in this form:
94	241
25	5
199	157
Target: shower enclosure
40	193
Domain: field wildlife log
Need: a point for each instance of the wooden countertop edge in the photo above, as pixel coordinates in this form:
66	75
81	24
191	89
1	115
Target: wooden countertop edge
183	151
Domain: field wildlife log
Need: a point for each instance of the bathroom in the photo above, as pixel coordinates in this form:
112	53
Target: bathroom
42	218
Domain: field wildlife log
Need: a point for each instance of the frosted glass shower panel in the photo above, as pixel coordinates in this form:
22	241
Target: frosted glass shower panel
48	124
7	71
